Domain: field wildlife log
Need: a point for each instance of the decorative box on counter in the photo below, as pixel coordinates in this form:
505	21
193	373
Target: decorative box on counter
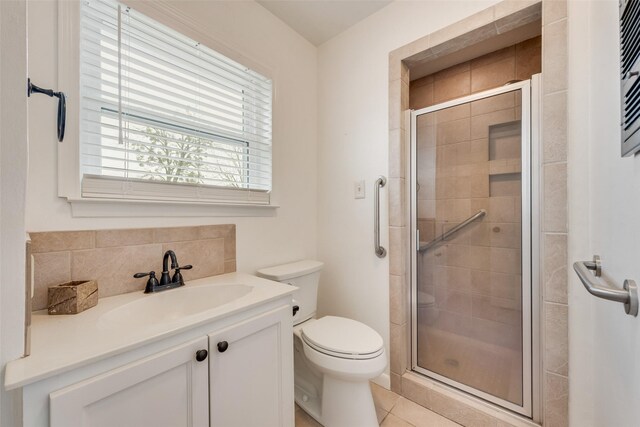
73	297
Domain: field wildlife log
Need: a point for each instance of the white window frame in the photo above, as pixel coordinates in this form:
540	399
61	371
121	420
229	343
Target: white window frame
68	162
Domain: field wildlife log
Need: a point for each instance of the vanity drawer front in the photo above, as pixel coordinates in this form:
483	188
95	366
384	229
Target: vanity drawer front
167	389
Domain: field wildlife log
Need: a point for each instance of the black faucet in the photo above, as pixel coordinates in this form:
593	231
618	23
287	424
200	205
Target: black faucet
166	282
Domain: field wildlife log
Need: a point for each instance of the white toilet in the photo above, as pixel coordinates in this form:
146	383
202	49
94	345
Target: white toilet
334	357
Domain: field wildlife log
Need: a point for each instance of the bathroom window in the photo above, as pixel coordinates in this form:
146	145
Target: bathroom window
163	117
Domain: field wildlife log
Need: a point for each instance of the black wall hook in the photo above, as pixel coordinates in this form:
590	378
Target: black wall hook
62	105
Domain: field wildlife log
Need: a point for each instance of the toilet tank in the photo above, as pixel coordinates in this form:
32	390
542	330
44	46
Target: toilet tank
303	274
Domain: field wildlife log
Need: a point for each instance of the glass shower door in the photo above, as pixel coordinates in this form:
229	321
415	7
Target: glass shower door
471	287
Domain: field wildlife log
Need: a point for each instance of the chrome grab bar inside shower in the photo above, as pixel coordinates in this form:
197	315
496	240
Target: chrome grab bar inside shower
380	182
598	287
444	236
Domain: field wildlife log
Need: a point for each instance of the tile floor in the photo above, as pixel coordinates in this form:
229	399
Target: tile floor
392	410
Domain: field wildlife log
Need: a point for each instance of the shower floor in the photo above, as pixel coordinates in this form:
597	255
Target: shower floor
487	367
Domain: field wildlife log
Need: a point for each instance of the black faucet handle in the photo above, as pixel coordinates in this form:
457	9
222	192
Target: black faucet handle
152	283
141	275
177	276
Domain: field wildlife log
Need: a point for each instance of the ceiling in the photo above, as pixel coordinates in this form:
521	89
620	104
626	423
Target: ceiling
321	20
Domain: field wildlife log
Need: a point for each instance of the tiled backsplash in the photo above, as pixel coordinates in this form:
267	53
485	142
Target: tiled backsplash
112	256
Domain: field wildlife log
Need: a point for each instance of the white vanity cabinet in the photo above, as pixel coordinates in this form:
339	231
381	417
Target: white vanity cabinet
250	372
166	389
248	381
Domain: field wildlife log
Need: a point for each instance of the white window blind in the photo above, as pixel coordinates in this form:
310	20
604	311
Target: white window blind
166	118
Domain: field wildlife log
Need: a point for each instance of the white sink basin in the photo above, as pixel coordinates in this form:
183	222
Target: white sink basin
173	304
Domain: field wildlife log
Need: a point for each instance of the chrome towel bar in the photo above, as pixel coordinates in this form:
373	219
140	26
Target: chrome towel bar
444	236
598	287
380	182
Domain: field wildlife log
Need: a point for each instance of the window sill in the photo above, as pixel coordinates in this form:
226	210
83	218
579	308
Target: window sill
114	208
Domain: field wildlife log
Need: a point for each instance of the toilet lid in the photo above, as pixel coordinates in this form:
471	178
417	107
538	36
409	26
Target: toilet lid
341	337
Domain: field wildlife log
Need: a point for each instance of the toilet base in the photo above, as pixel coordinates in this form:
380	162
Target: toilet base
347	404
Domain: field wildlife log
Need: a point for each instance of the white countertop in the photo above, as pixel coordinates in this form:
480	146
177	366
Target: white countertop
60	343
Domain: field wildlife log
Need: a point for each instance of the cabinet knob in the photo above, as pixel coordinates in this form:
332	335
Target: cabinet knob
223	346
201	355
296	308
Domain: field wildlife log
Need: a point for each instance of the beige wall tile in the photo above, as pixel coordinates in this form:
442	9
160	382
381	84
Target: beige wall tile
494	103
49	269
505	260
397	203
206	256
493	75
554	268
555	197
230	247
395	104
397	250
453	132
452	87
528	58
136	236
553	10
493	57
230	266
453	278
556	400
421	96
458	112
556	338
496	284
463	67
399	347
175	234
396	382
453	301
114	268
480	124
502	209
397	154
52	241
398	301
554	57
216	231
554	127
501	310
464	26
510	7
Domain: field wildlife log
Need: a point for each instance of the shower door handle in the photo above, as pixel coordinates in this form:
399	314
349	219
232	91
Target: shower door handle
381	252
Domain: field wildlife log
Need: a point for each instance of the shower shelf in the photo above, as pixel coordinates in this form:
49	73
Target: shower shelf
505	166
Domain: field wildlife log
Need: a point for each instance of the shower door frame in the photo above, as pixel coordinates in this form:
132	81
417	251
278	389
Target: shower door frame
530	248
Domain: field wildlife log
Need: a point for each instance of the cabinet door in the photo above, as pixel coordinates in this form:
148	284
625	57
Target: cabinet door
252	375
167	389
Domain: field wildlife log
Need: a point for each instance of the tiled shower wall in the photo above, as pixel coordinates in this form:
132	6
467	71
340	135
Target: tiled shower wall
553	210
112	257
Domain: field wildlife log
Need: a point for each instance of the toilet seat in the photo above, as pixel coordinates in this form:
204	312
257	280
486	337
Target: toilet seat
343	338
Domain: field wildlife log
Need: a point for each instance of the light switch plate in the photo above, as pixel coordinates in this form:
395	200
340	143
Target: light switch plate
359	190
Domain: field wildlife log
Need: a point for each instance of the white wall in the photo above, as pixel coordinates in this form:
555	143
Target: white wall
252	32
13	176
604	204
353	144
